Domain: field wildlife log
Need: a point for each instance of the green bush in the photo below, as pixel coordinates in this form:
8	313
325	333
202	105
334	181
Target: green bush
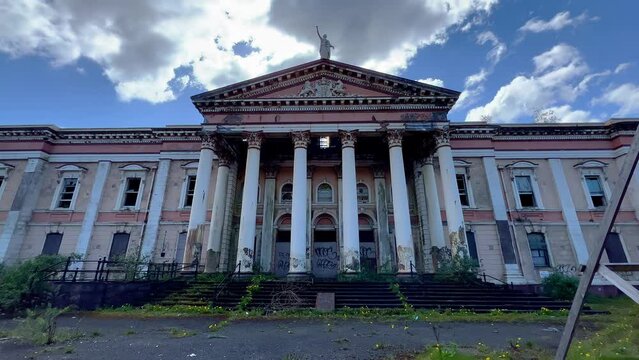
458	267
39	327
24	285
560	286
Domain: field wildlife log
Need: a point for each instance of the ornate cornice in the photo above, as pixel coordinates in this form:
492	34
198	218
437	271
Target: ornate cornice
301	139
348	138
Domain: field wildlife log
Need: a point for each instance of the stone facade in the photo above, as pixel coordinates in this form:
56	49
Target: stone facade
369	180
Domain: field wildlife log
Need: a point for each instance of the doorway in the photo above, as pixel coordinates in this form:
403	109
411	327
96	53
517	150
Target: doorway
325	255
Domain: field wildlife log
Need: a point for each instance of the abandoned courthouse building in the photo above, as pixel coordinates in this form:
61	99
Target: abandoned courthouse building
319	169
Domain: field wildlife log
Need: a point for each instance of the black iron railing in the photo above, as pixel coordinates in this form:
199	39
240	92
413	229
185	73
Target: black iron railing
120	270
484	277
227	279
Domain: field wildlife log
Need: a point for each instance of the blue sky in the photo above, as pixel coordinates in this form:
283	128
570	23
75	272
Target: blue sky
79	63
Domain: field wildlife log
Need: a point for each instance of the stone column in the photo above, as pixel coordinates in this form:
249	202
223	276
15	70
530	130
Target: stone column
91	212
214	244
266	246
155	209
432	204
246	241
15	226
350	225
513	273
386	247
195	235
452	204
299	206
401	213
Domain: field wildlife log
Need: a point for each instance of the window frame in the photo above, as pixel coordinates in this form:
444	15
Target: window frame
128	243
5	169
67	172
548	256
281	197
127	172
462	168
623	247
190	169
599	174
185	191
526	169
317	193
368	192
44	245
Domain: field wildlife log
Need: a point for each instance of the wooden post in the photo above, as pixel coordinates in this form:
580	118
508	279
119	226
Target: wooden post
597	249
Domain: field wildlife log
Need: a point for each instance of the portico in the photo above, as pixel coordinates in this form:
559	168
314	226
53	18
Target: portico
323	151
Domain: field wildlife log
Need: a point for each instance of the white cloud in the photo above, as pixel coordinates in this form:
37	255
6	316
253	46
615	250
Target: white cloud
558	71
558	22
476	79
622	67
626	96
142	44
432	81
499	48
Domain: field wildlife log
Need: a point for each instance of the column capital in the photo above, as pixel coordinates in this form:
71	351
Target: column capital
270	172
253	139
301	139
379	172
426	160
224	159
394	138
442	138
348	138
208	139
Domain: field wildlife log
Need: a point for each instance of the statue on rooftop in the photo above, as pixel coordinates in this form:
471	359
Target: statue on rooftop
325	45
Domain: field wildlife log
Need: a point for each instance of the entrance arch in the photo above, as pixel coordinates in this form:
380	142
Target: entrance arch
325	255
282	245
367	243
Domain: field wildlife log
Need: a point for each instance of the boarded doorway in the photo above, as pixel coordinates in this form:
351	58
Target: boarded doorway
325	256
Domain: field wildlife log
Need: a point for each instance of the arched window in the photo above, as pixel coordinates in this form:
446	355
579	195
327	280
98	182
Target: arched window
286	195
324	193
362	193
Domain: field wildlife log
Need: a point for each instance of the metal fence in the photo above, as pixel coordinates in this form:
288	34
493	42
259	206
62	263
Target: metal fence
122	270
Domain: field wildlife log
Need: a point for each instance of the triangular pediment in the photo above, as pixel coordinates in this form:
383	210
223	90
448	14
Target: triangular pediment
326	79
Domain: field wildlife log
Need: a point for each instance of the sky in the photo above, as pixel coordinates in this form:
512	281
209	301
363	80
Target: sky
135	63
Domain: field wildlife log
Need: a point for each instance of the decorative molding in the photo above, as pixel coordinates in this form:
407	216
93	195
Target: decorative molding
301	139
379	172
522	165
270	171
348	138
323	88
442	138
133	167
70	168
590	164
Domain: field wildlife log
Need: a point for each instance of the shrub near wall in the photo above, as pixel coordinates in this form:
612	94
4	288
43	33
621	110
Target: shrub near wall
560	286
24	285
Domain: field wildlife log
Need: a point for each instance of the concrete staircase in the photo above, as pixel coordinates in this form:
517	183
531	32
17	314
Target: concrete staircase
424	295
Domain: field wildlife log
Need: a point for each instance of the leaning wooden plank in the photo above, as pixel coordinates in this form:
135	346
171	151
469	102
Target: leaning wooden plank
620	283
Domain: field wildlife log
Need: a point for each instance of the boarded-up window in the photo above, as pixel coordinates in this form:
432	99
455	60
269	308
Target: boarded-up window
472	245
614	249
52	244
119	245
181	243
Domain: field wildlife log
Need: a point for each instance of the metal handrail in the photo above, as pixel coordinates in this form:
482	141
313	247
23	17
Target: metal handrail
508	285
105	269
227	279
